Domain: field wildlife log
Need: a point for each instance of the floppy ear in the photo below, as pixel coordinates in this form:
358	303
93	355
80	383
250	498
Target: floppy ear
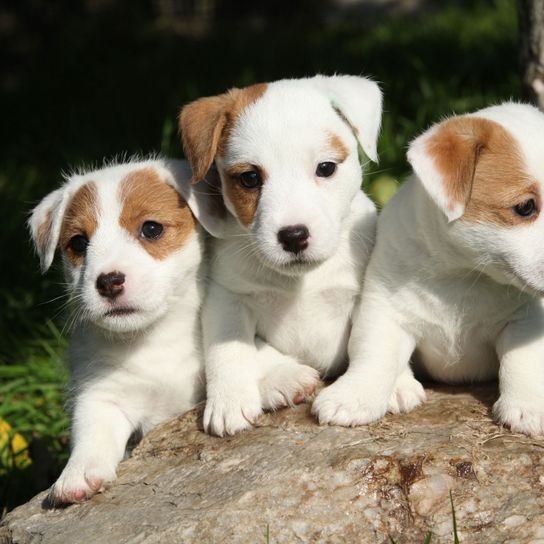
45	222
201	124
358	100
445	158
204	198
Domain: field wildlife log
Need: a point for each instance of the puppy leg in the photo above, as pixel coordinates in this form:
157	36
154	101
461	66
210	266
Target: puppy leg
379	352
100	432
407	395
284	381
521	375
232	363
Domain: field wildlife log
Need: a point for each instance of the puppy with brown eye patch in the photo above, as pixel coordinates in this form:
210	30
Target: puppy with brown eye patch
456	279
292	235
132	254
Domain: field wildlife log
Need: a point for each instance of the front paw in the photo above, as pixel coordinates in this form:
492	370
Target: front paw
79	481
287	384
521	416
408	394
230	411
349	403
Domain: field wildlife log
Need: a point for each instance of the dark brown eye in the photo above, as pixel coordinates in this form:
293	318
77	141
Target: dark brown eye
250	179
325	169
151	230
78	244
526	209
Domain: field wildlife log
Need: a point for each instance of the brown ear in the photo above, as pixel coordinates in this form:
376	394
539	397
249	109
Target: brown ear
445	159
201	124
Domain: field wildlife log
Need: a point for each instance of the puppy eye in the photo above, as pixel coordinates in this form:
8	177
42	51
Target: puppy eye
325	169
151	230
78	244
526	209
250	179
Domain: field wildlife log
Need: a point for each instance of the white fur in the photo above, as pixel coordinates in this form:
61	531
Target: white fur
129	372
299	305
462	298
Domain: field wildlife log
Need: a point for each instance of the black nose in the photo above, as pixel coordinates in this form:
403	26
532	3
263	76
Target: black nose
110	285
294	239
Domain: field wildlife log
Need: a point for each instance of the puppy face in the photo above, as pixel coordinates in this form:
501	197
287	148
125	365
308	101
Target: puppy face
125	234
486	172
287	155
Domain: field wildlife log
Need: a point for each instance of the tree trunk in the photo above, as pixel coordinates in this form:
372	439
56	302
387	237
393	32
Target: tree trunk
531	36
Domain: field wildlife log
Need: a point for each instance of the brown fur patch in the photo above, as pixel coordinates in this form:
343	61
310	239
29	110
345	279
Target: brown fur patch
241	99
201	124
341	151
80	218
483	168
245	201
146	197
206	124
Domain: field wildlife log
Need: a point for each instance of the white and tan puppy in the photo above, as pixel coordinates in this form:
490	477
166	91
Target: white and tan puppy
292	242
456	275
132	254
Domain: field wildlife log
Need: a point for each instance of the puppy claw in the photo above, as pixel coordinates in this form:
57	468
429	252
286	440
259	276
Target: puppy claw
79	482
94	484
288	384
79	495
408	394
348	404
521	416
231	413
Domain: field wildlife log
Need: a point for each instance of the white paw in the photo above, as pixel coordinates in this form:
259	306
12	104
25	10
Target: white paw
408	394
230	411
287	384
349	403
79	481
520	415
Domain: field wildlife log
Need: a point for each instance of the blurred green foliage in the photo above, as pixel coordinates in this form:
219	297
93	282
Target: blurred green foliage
85	80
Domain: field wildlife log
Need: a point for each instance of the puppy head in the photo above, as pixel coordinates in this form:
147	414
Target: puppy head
287	157
485	172
126	237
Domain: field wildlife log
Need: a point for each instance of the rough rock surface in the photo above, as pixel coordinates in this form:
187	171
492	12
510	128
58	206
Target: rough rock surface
307	483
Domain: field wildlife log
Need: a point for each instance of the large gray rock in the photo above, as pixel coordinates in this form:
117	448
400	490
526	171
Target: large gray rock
307	483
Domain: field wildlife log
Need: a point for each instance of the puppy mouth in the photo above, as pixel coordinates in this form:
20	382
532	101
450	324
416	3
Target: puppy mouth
120	311
297	265
300	260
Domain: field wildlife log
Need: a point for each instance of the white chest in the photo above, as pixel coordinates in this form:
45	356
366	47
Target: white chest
313	326
308	316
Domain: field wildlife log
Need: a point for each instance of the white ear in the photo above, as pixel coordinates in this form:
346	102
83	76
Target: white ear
45	222
445	159
204	198
359	101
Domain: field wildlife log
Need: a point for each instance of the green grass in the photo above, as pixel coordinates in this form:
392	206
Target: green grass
80	86
32	402
454	521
